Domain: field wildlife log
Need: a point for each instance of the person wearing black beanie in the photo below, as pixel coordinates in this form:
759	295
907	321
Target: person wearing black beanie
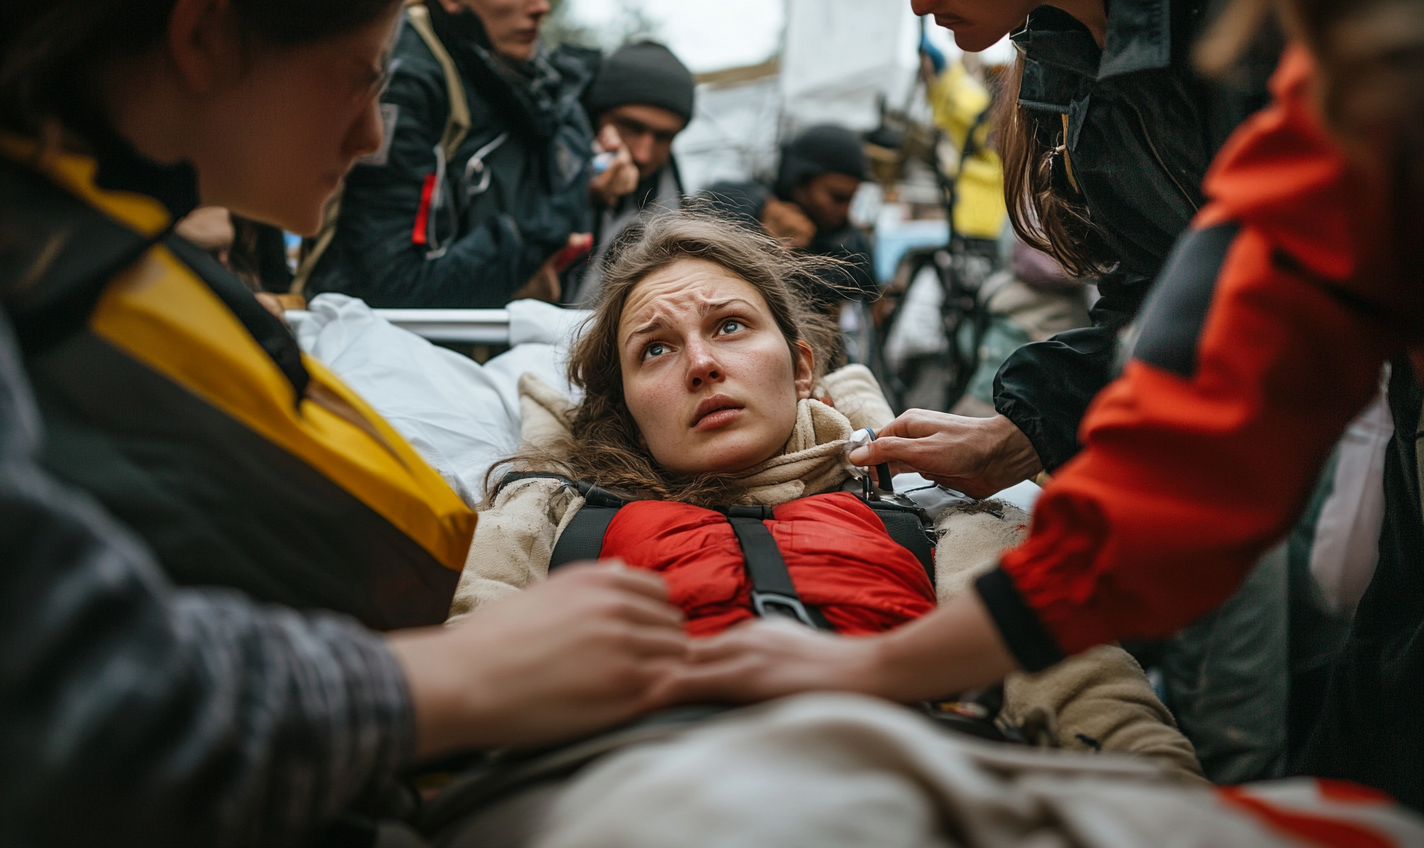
820	171
646	95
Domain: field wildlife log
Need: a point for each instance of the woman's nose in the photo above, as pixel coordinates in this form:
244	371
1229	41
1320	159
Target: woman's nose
702	366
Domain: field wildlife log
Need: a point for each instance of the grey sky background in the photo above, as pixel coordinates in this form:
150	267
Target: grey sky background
710	35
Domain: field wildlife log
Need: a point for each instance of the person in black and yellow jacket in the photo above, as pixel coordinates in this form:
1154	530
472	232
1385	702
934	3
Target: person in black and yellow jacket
167	391
147	384
188	411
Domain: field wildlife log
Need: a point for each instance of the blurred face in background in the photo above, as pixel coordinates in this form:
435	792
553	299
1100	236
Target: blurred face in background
977	24
646	131
826	199
512	25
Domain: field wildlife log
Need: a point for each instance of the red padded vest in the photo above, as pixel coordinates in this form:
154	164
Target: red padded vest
836	549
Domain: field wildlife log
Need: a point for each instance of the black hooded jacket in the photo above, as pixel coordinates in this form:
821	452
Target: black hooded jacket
1142	128
414	231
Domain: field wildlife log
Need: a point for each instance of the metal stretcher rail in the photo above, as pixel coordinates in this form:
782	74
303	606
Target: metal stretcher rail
461	326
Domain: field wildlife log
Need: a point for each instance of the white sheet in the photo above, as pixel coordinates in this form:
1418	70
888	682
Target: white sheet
460	416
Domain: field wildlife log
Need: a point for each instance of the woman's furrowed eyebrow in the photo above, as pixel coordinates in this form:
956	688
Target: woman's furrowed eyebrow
647	329
718	306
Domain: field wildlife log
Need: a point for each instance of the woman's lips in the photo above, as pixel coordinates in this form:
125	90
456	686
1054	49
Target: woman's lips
716	411
718	418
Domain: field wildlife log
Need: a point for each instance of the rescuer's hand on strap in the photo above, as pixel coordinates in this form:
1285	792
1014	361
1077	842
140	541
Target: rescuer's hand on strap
584	650
976	456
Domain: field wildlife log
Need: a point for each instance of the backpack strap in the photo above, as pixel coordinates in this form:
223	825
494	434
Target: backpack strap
773	592
910	527
582	539
457	125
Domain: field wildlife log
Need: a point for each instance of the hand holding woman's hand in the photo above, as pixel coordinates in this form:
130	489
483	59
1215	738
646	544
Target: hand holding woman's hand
976	456
772	657
584	650
954	648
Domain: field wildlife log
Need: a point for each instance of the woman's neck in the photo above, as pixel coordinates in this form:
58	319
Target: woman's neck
1092	14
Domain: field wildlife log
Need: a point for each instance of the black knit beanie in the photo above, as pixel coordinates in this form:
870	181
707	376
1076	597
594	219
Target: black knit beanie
822	149
644	72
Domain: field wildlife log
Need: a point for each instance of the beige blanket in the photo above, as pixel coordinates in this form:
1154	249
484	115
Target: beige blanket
842	771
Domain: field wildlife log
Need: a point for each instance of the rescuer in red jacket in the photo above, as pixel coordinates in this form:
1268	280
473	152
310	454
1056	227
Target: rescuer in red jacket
1274	317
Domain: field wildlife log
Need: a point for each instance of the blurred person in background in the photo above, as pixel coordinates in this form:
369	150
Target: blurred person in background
807	208
961	107
163	394
645	93
480	192
821	170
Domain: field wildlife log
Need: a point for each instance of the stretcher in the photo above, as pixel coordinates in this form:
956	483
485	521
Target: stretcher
453	326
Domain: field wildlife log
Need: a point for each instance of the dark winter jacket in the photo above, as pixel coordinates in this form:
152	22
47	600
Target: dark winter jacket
133	714
1369	729
1142	128
414	231
186	409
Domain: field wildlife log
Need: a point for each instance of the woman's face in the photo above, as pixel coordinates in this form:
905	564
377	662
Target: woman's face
512	25
278	133
977	24
707	374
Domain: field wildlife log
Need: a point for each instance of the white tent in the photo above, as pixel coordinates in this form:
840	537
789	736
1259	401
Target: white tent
839	58
842	56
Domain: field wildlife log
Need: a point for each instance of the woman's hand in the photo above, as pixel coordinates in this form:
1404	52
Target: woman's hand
950	650
976	456
584	650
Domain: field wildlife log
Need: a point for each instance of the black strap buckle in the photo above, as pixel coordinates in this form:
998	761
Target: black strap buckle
768	604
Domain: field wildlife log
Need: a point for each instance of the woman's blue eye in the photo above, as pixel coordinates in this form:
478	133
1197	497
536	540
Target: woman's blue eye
654	349
732	326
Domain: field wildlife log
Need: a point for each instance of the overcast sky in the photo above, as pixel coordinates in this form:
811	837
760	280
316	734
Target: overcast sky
710	35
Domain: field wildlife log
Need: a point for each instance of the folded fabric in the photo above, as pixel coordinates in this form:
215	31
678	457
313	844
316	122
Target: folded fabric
844	770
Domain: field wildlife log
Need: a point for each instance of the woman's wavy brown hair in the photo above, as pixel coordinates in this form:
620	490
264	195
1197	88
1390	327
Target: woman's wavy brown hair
1045	216
604	446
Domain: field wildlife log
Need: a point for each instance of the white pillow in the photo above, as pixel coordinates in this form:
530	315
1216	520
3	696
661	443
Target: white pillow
460	416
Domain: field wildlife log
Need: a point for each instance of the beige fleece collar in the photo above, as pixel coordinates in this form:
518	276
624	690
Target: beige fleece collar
813	461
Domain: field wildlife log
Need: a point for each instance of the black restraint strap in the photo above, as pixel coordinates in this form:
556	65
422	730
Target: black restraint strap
908	529
583	538
773	592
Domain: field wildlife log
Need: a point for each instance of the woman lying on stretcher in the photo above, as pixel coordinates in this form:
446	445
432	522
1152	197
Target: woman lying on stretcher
704	387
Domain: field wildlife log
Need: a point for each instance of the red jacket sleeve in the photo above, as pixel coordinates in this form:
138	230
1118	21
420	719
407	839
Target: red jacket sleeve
1263	338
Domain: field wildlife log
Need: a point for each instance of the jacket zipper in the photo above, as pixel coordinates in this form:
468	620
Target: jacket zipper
1142	122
